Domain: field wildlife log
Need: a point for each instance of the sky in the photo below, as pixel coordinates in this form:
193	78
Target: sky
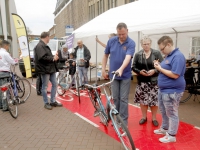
37	14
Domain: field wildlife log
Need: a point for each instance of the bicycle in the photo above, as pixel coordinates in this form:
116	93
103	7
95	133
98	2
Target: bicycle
14	90
110	113
65	81
192	84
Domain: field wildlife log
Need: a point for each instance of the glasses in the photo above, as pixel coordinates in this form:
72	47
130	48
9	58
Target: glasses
163	48
147	44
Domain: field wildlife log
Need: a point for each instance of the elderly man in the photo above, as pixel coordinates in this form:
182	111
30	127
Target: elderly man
45	66
63	55
121	49
82	55
5	61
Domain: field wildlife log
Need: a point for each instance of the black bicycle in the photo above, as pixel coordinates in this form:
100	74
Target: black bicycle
192	76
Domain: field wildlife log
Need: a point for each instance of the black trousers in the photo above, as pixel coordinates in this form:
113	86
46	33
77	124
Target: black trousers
38	84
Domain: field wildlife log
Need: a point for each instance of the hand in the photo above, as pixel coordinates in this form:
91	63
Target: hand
151	72
97	39
120	71
56	57
105	75
157	66
82	60
73	64
144	72
16	60
67	64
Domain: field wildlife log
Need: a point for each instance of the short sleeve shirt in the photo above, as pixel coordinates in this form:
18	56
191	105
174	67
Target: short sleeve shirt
175	62
118	53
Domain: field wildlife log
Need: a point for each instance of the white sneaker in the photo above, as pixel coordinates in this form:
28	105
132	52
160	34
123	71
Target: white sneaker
160	131
167	138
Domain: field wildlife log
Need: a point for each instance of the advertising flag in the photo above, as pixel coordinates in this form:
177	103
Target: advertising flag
23	43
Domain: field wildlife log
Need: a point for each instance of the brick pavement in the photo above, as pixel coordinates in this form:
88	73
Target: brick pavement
39	129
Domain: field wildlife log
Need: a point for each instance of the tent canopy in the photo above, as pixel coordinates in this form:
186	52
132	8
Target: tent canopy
147	16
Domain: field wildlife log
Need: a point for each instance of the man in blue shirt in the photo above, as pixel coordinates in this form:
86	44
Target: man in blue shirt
171	85
121	49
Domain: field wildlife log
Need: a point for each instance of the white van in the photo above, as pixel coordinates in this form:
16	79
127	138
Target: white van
54	44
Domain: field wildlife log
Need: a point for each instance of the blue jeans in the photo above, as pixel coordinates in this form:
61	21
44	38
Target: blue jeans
168	105
120	91
83	78
3	103
45	80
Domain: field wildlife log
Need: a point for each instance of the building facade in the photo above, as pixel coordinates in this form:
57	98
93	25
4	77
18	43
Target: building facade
7	28
75	13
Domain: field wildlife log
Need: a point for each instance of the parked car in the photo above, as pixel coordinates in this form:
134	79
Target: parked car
54	44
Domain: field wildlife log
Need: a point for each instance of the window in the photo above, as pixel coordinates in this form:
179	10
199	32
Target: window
1	27
109	4
195	48
115	3
98	9
101	6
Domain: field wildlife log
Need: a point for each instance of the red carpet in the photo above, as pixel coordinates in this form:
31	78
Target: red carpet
188	137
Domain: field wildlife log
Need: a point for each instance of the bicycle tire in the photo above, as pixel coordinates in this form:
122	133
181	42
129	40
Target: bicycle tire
102	114
125	136
78	88
24	87
60	90
186	96
11	103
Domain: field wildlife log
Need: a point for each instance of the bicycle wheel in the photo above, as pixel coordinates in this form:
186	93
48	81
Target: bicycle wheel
24	89
60	90
186	96
78	88
123	132
11	103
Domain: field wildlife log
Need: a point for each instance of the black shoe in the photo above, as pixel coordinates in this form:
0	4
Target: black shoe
4	110
39	93
56	104
142	121
47	106
155	123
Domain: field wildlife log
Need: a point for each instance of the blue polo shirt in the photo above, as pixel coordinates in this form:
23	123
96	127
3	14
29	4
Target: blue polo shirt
175	62
118	53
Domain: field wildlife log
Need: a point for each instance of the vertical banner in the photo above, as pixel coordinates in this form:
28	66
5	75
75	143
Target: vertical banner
23	43
70	43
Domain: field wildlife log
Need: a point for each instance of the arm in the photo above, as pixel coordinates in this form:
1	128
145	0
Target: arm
135	64
9	59
104	62
102	44
124	64
168	73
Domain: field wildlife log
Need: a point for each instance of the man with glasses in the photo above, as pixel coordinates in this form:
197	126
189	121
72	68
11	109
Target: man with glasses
171	85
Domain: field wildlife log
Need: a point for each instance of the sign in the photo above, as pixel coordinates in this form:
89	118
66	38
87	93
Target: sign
70	43
23	42
68	30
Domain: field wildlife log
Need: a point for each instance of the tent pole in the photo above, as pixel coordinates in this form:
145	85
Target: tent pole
96	62
138	41
176	37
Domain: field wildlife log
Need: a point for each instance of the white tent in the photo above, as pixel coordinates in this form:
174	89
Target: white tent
147	16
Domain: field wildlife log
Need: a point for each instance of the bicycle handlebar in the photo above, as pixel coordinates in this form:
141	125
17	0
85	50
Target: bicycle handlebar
104	84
